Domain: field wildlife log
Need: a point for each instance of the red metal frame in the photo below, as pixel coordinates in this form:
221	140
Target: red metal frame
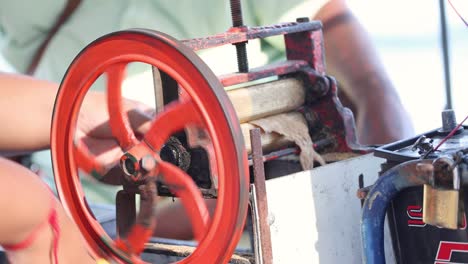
207	107
242	34
305	55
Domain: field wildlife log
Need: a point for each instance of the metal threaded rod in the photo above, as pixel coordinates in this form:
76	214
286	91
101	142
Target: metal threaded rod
242	62
241	49
236	13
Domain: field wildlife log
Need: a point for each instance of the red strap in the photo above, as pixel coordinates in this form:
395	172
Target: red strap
52	220
62	19
55	225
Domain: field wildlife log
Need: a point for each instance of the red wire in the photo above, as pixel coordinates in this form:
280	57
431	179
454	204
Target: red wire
456	11
451	133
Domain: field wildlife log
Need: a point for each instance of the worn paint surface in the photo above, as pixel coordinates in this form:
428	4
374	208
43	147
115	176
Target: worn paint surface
316	216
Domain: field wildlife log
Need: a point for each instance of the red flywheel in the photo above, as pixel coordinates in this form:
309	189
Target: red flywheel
203	108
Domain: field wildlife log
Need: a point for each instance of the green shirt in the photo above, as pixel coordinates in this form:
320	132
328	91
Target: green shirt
24	25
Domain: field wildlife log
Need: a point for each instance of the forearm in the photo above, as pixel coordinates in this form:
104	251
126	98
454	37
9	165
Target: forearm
352	59
27	203
25	213
27	106
350	55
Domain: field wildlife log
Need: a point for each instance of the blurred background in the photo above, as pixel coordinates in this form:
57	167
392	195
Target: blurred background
411	50
407	35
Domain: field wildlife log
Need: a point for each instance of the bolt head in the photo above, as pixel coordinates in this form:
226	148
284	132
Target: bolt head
148	163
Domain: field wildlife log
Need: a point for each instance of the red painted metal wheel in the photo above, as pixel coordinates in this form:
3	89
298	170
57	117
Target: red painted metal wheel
205	107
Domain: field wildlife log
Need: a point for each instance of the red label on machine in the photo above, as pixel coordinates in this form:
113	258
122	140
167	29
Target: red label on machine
446	248
415	215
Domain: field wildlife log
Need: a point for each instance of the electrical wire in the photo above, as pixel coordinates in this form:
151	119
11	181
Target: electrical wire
450	134
456	11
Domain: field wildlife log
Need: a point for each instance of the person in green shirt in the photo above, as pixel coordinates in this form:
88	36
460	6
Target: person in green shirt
350	56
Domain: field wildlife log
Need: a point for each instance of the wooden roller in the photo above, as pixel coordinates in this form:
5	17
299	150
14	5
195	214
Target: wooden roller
266	99
257	101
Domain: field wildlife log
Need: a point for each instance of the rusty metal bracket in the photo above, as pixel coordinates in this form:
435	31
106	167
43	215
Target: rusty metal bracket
259	203
125	212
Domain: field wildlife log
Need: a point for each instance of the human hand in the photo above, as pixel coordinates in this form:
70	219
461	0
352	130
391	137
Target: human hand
94	132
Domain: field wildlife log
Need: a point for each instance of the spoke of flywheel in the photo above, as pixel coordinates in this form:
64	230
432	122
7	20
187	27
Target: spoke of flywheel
86	162
176	116
119	123
185	188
